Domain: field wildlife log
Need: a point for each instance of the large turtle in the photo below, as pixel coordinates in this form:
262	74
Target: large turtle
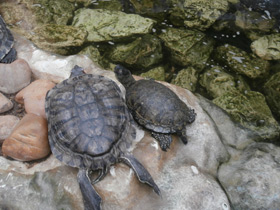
7	53
156	107
90	127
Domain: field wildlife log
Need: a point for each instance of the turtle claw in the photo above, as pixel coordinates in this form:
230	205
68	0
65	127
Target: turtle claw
163	139
102	173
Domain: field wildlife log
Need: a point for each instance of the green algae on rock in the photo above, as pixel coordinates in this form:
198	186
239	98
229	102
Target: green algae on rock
143	52
198	14
186	78
157	73
267	47
272	93
251	111
217	82
241	62
187	47
105	25
58	38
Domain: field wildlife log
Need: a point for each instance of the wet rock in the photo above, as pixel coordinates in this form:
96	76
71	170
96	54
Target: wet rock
217	82
272	93
187	47
186	78
7	124
252	180
106	25
157	73
251	111
267	47
14	76
197	14
58	38
144	52
48	66
108	5
5	103
241	62
33	96
28	140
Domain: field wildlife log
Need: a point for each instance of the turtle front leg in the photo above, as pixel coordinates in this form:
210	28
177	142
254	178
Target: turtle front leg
182	135
163	139
92	200
142	174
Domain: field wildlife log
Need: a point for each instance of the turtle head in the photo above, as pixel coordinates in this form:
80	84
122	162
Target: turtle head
77	71
124	76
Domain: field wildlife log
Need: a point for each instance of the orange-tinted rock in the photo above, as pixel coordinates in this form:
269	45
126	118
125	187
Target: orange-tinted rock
29	139
33	96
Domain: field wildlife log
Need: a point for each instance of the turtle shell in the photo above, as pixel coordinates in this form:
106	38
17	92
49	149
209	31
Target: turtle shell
88	121
157	108
6	39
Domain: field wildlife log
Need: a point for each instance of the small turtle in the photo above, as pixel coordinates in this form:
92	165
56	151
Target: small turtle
156	107
90	127
7	53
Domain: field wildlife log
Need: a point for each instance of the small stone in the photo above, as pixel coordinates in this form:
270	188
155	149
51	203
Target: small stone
29	139
5	103
7	124
14	76
33	96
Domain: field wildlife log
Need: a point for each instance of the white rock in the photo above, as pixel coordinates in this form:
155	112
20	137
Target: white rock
7	124
5	103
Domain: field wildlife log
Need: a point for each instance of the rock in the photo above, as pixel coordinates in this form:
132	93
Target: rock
7	124
33	96
58	38
241	62
115	5
157	73
106	25
49	66
187	48
272	93
144	52
186	78
14	76
29	139
5	103
252	180
197	14
267	47
251	111
217	82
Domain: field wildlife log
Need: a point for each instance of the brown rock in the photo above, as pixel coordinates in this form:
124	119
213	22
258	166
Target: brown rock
29	139
5	103
14	76
33	96
7	124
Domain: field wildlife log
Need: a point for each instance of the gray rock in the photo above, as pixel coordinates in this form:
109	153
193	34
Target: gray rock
106	25
14	76
5	103
252	180
7	124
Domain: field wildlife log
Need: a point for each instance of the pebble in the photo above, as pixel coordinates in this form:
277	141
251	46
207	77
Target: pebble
14	76
7	124
33	96
5	103
29	139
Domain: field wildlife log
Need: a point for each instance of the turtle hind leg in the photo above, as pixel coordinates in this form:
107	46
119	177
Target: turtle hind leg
142	174
163	139
10	57
92	200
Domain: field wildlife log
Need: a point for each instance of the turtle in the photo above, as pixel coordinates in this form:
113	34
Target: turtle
91	128
7	52
155	107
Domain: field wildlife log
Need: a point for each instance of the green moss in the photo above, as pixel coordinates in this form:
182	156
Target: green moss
157	73
186	78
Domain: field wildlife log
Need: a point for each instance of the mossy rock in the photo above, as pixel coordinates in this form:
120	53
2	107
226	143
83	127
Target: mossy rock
251	111
186	78
241	62
217	82
106	25
144	52
157	73
272	93
187	47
